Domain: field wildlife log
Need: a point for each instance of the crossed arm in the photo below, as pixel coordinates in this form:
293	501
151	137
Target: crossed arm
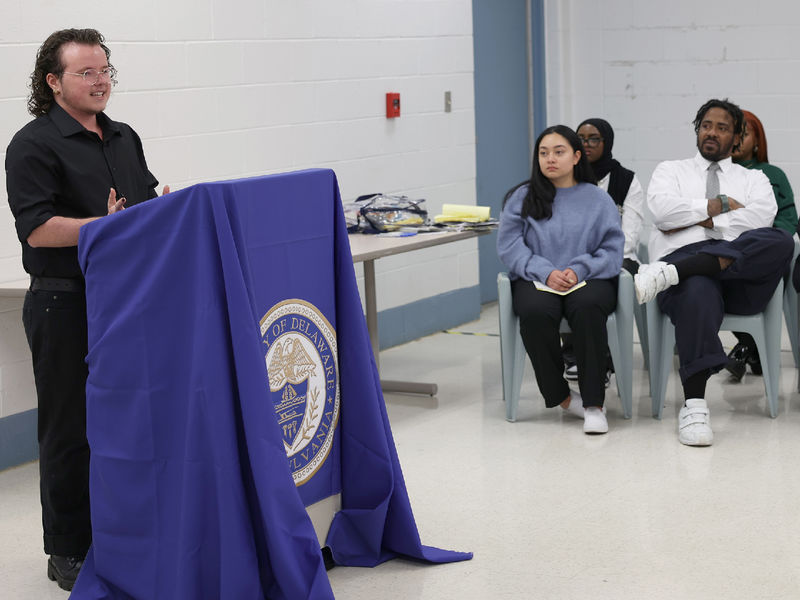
714	209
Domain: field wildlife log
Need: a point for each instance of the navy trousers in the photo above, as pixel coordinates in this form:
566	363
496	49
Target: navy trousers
697	305
586	310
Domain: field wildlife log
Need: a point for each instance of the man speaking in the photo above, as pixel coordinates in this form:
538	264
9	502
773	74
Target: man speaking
67	167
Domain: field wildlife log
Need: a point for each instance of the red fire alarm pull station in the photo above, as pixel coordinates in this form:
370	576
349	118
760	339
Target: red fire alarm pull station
392	105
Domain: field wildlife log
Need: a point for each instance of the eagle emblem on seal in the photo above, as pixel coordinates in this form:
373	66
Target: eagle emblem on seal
303	380
289	371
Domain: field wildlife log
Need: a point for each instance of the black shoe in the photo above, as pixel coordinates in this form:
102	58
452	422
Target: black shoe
327	558
64	570
737	361
754	361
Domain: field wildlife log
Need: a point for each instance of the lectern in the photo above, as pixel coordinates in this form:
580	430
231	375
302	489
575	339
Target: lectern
231	384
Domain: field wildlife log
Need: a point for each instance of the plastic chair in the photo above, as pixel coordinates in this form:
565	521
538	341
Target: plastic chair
765	328
620	342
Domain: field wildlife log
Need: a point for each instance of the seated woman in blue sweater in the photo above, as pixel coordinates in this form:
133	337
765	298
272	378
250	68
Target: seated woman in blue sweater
560	229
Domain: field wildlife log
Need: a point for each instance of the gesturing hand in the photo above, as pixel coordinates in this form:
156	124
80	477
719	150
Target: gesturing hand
115	205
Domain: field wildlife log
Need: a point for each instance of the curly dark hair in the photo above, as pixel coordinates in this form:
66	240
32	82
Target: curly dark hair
538	201
48	60
732	109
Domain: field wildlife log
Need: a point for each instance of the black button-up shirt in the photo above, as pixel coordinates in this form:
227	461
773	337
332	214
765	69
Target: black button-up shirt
56	167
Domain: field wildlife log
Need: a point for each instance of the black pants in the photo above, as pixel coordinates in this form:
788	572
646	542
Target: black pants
697	305
55	324
586	311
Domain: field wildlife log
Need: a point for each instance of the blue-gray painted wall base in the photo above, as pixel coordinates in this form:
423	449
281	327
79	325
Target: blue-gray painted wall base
429	315
18	440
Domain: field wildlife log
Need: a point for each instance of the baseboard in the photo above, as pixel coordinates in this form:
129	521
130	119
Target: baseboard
412	321
18	439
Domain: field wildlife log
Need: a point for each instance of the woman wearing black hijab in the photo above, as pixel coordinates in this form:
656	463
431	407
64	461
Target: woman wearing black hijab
620	183
624	188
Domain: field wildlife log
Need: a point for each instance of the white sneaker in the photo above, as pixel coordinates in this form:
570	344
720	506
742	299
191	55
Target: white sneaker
694	423
594	420
653	278
575	407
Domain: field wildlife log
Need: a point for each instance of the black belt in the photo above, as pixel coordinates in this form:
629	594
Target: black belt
56	284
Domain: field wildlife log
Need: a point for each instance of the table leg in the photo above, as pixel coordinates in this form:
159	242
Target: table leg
409	387
370	300
372	309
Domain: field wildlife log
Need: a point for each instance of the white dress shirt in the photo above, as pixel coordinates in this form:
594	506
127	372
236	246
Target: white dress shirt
676	197
632	210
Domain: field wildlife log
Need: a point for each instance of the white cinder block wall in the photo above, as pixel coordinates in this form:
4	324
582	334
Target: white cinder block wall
648	66
231	88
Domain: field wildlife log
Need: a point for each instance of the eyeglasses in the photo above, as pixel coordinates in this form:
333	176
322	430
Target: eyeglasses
93	75
592	142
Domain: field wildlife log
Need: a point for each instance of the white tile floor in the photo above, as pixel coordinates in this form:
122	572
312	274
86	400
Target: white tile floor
549	512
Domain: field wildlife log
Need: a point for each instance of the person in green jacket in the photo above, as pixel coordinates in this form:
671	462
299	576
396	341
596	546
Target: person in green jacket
752	153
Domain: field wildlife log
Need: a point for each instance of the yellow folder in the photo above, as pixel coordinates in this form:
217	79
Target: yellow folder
464	213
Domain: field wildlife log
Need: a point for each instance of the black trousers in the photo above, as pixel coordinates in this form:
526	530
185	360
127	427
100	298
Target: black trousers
697	305
55	324
586	311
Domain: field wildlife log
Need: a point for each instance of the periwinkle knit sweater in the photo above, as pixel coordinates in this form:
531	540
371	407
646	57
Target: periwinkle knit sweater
583	234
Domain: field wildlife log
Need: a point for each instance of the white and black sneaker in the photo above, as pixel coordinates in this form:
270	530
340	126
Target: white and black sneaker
571	372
